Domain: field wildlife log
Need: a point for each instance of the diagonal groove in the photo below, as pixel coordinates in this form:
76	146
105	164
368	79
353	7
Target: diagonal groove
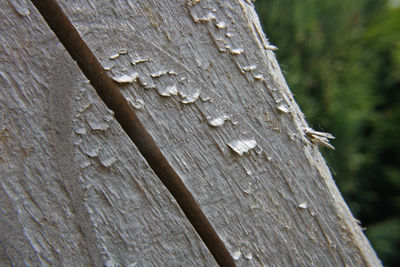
126	117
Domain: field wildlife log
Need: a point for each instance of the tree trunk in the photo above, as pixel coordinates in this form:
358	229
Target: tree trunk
205	82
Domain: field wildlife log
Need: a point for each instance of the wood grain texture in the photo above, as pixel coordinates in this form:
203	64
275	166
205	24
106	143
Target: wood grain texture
74	190
207	90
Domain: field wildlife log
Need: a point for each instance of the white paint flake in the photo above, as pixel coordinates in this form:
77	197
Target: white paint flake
259	77
92	153
236	255
216	122
139	60
206	98
114	56
123	78
249	68
123	51
136	104
159	73
168	91
271	47
248	256
220	25
189	98
146	84
210	16
98	126
283	108
183	80
192	2
20	7
85	164
235	51
80	131
84	107
120	52
303	205
242	146
107	162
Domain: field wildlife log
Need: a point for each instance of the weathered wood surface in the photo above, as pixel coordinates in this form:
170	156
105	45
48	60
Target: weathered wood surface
75	191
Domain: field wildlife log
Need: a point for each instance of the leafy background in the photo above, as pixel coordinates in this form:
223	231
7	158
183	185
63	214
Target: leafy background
341	59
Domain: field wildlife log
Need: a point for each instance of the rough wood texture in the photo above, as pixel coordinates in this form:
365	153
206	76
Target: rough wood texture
75	191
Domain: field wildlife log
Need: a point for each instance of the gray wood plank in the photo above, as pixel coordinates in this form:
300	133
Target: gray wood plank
74	189
207	85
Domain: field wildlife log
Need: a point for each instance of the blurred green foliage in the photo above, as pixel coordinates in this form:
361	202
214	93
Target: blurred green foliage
342	62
